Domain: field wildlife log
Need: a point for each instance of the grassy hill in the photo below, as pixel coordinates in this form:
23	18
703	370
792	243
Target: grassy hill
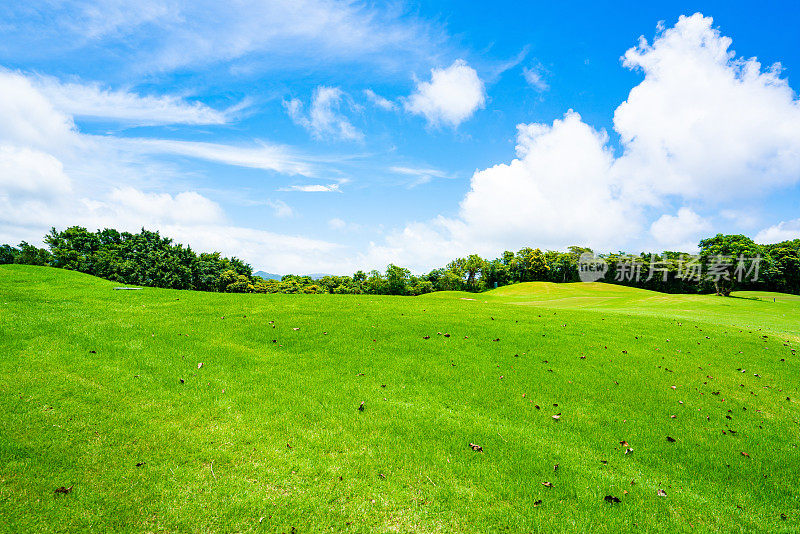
103	392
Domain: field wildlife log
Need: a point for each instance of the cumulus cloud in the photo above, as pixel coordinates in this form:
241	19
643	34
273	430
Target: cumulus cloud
783	231
324	118
186	207
704	123
451	96
681	231
51	174
276	252
28	118
702	126
549	192
25	172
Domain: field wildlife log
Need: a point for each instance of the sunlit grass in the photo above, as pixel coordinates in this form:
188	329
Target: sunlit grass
266	435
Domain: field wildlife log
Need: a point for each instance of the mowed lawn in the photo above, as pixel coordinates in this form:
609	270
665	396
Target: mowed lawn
103	392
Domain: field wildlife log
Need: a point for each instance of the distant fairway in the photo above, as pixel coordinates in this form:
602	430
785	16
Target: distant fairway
266	435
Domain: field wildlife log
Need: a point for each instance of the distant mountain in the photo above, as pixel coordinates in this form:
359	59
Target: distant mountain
317	276
271	276
267	276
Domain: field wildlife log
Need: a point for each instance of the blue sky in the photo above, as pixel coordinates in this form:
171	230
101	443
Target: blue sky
329	136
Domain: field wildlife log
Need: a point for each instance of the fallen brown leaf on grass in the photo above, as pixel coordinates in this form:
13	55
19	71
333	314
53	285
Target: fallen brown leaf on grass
547	484
475	447
624	443
745	454
62	490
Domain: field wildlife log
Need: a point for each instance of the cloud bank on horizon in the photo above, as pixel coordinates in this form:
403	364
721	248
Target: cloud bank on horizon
705	138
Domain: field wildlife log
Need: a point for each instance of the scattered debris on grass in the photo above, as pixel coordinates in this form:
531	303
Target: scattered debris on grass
63	491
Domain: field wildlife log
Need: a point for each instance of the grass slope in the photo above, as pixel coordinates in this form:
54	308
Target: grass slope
266	436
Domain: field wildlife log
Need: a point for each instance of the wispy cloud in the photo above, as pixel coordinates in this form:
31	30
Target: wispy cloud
93	100
420	175
379	101
325	118
313	188
535	76
280	208
266	157
185	34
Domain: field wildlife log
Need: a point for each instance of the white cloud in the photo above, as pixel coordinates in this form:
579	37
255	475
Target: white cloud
701	125
25	172
313	188
28	118
268	250
535	77
379	101
187	207
51	174
94	101
451	97
420	175
680	232
280	208
324	118
558	191
340	225
337	224
276	158
158	35
783	231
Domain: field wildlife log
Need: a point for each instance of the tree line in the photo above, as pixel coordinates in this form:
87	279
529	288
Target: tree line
148	259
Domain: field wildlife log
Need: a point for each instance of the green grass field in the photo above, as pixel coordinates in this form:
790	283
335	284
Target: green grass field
103	392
